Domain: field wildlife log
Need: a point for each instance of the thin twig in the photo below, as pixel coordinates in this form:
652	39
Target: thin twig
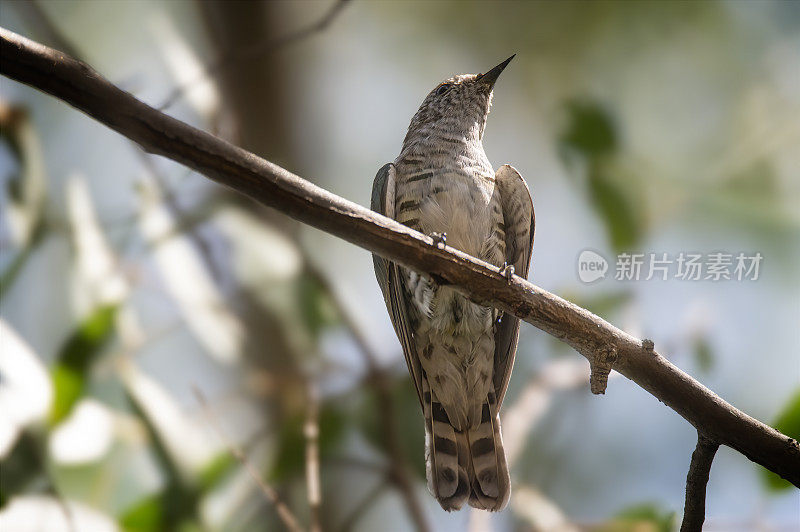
285	514
178	213
311	432
251	52
79	85
694	511
398	471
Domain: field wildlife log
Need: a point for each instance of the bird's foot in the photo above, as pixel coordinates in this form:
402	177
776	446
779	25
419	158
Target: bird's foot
507	271
439	238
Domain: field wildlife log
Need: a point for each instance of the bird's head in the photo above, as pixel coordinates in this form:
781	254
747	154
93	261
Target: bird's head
457	106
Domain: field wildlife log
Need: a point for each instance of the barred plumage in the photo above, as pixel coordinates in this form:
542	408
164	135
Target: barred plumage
459	354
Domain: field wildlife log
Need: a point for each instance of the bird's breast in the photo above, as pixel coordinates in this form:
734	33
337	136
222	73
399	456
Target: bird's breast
457	199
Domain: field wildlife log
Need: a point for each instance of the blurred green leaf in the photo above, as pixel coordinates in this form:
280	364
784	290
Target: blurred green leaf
614	204
162	455
703	355
156	513
75	360
646	517
592	134
331	426
179	499
190	525
217	469
290	459
68	384
21	467
291	449
408	417
144	516
757	179
316	307
750	200
788	422
591	130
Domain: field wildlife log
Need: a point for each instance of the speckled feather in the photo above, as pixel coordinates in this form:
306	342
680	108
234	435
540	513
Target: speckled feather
459	354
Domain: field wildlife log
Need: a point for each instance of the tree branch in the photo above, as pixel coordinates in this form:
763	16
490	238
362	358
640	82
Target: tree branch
79	85
287	517
694	511
313	483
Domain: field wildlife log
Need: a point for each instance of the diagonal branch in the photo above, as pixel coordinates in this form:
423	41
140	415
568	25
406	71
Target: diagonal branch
287	517
79	85
694	511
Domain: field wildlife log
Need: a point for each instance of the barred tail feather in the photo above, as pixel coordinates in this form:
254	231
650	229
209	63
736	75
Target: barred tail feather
445	463
465	466
489	479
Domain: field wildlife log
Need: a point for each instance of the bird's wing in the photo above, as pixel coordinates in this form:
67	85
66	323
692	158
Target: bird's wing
517	203
389	278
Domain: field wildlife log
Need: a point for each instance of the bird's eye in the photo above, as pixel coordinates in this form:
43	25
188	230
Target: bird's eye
444	87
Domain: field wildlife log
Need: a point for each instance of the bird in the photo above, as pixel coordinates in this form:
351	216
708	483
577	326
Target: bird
459	354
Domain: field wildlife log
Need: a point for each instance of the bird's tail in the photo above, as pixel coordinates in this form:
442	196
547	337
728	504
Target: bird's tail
468	465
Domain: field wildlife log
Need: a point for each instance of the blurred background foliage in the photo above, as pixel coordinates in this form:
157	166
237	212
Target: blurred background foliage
127	281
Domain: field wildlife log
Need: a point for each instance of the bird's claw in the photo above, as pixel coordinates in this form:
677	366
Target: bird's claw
507	271
439	238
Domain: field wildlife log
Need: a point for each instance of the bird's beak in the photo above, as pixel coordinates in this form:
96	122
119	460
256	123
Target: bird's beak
489	79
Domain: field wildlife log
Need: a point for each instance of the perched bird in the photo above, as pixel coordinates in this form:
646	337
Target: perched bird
459	354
